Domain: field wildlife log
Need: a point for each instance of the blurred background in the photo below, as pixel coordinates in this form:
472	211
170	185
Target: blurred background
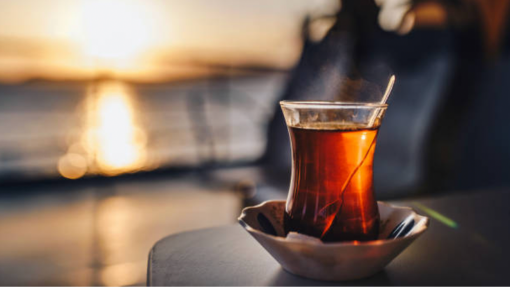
123	121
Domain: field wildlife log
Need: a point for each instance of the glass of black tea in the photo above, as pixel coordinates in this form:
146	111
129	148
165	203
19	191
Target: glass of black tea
331	195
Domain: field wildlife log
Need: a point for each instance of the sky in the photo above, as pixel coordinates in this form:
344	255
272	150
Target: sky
144	38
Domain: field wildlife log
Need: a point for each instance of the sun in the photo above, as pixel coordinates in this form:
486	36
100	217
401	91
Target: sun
115	31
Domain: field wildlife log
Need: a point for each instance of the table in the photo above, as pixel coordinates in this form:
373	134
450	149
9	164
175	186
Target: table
466	244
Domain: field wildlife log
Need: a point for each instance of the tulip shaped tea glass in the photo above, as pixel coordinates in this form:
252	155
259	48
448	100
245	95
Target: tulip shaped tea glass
331	195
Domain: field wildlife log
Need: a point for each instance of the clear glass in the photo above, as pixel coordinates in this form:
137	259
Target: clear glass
331	192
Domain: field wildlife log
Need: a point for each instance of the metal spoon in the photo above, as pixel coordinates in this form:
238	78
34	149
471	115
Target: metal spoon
403	228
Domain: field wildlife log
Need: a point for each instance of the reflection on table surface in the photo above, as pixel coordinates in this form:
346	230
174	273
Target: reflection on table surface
100	234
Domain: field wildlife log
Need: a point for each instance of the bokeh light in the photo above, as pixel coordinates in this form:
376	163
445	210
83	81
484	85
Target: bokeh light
111	142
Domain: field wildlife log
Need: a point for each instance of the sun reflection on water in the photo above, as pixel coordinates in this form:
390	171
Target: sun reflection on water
112	141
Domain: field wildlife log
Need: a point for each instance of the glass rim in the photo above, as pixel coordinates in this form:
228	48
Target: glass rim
330	105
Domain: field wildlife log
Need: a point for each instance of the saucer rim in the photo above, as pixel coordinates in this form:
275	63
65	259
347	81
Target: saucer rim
413	236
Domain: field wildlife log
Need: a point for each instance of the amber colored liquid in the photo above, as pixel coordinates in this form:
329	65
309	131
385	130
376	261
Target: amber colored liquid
331	195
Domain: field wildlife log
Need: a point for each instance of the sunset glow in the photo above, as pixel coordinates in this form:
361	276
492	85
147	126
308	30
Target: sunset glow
111	141
147	40
115	32
112	135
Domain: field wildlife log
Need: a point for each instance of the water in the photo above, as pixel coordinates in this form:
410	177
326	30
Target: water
76	129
